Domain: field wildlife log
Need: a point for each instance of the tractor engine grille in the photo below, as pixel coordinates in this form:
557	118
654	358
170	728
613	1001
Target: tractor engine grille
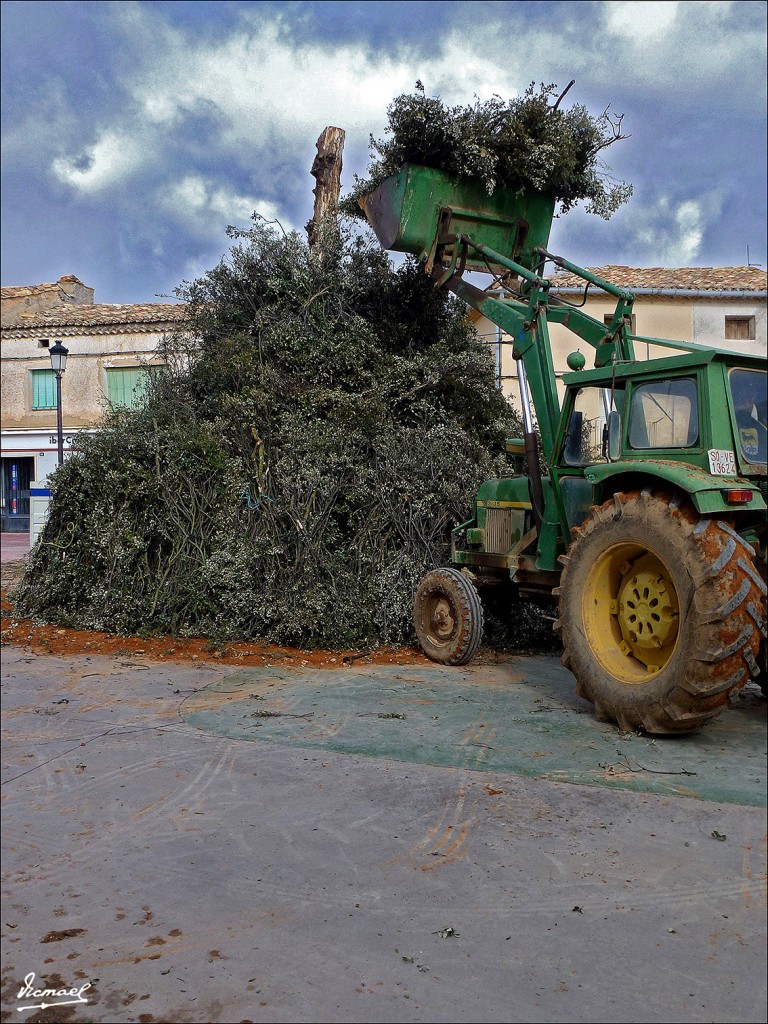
498	531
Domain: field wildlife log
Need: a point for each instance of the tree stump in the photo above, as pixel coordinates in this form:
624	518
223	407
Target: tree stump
326	169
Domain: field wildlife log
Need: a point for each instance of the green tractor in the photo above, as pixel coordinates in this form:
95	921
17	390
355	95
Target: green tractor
647	523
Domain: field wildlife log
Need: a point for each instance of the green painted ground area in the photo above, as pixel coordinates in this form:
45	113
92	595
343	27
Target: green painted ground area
521	717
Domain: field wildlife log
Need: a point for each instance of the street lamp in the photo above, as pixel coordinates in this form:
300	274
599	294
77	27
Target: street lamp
58	356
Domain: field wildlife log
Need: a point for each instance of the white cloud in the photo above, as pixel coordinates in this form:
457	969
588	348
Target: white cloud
268	89
671	233
643	22
114	157
691	221
260	91
640	19
224	125
198	202
264	97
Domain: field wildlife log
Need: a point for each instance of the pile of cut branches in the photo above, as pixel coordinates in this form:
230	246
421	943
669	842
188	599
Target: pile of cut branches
320	427
529	142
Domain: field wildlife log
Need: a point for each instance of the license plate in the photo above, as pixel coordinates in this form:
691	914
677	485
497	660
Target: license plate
722	463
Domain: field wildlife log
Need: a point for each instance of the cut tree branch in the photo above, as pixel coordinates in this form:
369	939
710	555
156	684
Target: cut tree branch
326	169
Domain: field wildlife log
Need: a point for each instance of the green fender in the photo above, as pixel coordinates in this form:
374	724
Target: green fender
707	491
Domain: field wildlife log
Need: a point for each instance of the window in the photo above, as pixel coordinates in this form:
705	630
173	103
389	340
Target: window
664	415
126	385
43	389
608	318
740	328
750	403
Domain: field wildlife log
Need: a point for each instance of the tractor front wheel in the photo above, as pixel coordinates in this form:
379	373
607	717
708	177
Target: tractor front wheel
660	613
448	617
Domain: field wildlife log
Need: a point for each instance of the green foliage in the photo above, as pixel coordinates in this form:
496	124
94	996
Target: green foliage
320	428
524	143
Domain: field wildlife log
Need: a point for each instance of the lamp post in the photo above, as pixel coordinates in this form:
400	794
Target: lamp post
58	356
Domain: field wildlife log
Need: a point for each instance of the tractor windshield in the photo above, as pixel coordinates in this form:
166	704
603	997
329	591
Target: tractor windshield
748	390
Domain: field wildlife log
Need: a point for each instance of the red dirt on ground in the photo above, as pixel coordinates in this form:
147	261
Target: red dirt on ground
51	639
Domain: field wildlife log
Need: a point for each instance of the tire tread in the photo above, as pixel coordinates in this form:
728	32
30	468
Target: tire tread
720	620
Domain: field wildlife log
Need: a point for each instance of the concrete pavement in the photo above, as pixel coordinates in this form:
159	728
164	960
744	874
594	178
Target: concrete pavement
188	872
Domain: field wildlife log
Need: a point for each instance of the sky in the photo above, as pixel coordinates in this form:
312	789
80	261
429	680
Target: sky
134	133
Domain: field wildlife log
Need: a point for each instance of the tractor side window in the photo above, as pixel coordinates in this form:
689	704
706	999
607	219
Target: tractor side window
584	438
664	415
750	398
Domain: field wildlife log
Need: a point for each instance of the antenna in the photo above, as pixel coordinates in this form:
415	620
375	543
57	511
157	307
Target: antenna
752	264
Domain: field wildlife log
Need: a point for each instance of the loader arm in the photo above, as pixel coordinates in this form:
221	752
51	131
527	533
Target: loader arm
528	329
527	322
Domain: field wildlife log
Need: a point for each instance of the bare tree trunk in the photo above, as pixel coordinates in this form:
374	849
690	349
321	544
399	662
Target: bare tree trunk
326	168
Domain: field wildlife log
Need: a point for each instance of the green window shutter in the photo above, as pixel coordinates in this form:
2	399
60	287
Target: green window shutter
43	389
126	386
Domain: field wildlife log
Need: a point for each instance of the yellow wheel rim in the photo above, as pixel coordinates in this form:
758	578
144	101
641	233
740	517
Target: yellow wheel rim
631	612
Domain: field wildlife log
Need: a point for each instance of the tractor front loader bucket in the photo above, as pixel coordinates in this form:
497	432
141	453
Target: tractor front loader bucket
420	207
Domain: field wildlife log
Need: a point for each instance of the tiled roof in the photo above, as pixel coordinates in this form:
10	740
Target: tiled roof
666	279
23	292
28	290
99	317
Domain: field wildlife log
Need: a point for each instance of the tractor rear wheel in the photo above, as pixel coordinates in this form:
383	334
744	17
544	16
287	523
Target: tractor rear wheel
661	613
448	617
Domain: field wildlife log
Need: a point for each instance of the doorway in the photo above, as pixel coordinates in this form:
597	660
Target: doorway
15	478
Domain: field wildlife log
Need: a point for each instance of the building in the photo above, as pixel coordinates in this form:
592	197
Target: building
724	307
112	349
